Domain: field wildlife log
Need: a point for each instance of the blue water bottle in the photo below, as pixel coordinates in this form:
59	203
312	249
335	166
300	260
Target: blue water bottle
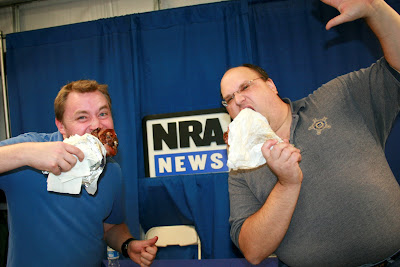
113	257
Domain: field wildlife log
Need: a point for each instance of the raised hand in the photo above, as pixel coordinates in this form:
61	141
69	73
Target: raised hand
283	160
383	20
349	10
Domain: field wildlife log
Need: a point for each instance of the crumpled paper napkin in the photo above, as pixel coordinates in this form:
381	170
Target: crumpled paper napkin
247	133
85	172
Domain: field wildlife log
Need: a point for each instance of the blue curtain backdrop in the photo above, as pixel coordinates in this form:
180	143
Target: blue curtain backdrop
172	61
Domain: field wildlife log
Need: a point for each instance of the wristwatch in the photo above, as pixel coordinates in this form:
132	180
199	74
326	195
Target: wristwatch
124	247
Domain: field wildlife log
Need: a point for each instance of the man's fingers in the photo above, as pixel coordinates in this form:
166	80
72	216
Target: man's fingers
283	151
67	163
75	150
335	21
147	255
71	159
146	258
295	156
151	242
67	159
287	152
152	250
349	11
268	146
278	148
56	170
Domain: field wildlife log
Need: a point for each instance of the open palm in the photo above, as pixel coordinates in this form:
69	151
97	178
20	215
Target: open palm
349	10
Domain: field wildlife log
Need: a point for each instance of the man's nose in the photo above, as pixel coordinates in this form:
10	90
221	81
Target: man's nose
239	98
95	123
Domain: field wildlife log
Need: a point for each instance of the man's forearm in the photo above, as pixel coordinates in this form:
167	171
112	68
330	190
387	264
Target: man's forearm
385	23
268	225
116	234
12	156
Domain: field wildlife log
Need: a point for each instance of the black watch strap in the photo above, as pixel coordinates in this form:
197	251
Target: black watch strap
124	247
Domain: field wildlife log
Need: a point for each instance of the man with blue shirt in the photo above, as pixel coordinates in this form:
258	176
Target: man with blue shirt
57	229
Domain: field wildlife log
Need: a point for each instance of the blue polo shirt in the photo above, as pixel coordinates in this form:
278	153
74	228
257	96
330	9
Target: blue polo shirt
53	229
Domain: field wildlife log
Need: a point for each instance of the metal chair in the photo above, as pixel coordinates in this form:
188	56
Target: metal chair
182	235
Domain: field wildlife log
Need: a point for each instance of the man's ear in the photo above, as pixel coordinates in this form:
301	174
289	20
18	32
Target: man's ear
60	127
271	85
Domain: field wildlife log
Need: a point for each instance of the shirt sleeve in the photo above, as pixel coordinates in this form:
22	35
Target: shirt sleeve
376	93
32	137
243	203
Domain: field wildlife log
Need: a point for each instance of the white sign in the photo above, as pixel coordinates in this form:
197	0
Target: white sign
185	142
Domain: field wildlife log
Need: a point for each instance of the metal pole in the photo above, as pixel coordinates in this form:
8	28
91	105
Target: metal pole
16	20
157	4
3	83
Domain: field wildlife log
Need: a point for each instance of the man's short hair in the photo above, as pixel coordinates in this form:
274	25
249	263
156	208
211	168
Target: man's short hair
257	69
81	86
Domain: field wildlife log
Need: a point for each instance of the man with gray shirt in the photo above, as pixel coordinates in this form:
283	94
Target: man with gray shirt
326	195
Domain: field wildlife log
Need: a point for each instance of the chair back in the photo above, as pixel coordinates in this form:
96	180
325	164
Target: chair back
178	235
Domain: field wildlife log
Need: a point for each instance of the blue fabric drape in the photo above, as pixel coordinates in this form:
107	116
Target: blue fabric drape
306	55
201	200
172	61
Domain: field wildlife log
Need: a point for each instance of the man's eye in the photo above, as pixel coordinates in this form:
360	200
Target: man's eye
245	87
81	117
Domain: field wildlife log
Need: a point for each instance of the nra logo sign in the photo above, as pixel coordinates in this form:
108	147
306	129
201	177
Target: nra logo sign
185	142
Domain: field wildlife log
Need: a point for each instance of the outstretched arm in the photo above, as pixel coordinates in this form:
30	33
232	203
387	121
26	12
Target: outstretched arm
383	20
54	157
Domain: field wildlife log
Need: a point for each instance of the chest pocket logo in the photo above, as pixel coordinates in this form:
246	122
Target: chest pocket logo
319	125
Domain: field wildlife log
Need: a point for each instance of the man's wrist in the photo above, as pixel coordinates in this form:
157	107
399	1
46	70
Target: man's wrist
125	245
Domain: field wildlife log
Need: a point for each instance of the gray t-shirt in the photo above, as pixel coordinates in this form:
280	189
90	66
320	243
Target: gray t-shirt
348	211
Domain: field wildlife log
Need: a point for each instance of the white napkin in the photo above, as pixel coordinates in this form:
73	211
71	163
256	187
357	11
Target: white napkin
85	172
247	133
